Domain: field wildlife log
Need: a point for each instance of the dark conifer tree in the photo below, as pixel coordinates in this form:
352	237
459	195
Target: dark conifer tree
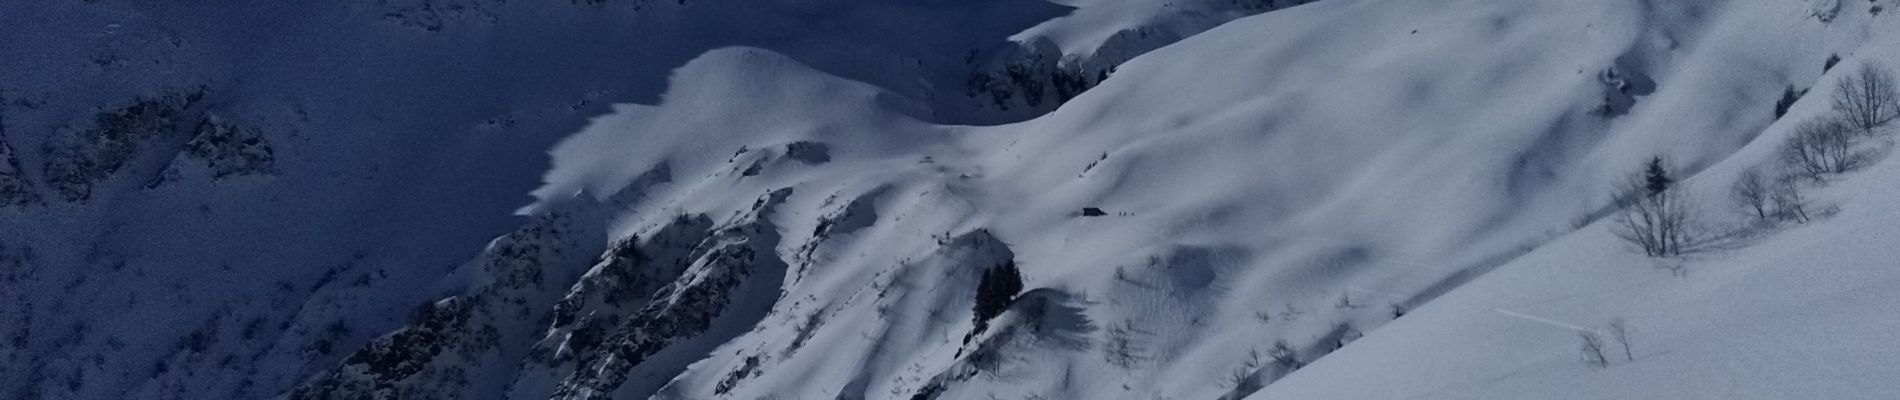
997	288
1656	178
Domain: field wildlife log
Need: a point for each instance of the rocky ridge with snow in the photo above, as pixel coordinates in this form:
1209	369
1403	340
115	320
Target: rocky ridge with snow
923	200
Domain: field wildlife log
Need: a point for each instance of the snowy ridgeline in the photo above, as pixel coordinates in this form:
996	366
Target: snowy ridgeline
1354	199
227	199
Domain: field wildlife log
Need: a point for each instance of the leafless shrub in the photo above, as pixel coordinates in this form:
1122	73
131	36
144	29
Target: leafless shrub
1822	146
1592	348
1676	268
1753	193
1285	357
1125	347
805	332
1867	99
1595	348
1619	330
1789	203
1655	215
1243	379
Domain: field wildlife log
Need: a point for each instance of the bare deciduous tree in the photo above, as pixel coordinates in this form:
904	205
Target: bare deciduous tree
1822	146
1867	99
1752	192
1790	204
1619	330
1243	379
1655	215
1284	356
1596	349
1592	348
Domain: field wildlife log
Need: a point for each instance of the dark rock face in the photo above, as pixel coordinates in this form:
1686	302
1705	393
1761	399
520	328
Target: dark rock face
682	310
407	352
736	264
16	189
509	335
449	348
433	15
860	212
79	159
618	286
231	150
151	139
1033	82
813	153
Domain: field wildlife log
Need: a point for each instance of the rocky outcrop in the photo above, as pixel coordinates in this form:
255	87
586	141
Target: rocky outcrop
16	189
1031	81
1030	78
734	278
77	160
618	286
465	346
433	15
231	150
526	330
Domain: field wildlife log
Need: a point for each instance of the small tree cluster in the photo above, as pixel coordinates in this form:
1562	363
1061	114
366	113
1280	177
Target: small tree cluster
1823	146
996	289
1863	102
1285	357
1770	199
1243	379
1656	215
1597	350
1788	98
1867	99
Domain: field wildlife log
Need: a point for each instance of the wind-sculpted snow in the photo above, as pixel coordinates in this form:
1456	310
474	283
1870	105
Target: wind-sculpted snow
839	200
1220	223
225	198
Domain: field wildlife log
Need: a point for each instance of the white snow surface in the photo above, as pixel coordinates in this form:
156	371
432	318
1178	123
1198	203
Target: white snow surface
1299	177
1318	165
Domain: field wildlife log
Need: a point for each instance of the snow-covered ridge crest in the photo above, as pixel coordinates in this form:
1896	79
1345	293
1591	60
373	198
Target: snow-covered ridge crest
1220	216
1281	195
734	101
348	161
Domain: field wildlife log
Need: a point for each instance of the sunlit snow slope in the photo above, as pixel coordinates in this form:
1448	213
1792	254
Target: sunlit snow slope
1300	177
221	199
1351	199
1799	312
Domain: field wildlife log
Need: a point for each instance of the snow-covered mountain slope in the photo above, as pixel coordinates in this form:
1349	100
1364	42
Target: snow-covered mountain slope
220	199
1803	311
1262	206
801	209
